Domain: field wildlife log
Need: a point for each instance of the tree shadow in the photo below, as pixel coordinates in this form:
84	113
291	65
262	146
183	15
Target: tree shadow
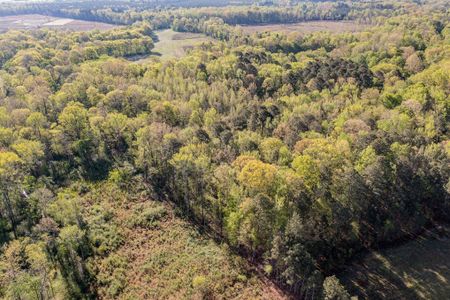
419	269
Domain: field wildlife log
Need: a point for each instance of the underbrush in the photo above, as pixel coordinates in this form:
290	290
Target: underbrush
157	255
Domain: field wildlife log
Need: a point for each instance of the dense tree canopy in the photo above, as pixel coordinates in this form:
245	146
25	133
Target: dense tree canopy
297	150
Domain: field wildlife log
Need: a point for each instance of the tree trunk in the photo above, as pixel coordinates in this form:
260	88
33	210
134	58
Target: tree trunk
10	212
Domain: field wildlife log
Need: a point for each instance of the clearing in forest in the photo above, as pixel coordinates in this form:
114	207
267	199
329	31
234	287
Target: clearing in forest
306	27
162	256
172	44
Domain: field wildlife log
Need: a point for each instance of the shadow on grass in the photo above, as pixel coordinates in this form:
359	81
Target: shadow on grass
419	269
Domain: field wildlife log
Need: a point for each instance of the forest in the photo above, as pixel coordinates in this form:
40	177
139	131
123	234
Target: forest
294	151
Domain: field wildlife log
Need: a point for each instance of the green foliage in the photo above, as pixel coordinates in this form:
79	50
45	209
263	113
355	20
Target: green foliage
390	101
104	235
148	216
257	176
297	149
333	289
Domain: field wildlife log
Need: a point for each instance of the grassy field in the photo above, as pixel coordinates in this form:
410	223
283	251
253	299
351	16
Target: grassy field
307	27
40	21
173	44
162	256
419	269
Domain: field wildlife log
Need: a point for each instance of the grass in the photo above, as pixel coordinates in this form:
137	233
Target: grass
173	44
307	27
164	256
419	269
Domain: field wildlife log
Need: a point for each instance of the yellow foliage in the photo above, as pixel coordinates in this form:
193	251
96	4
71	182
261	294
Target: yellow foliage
258	176
8	160
240	162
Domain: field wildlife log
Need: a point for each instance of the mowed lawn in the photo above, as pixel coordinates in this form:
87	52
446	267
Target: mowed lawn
419	269
174	44
307	27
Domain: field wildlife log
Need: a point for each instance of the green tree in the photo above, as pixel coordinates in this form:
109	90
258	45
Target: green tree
10	180
334	290
257	176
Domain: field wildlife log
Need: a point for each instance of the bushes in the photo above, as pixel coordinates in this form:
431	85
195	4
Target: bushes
147	215
112	274
104	234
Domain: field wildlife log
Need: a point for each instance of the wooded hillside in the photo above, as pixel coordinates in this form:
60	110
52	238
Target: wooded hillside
295	151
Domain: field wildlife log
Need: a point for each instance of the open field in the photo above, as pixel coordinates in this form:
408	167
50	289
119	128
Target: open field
173	44
307	27
419	269
40	21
